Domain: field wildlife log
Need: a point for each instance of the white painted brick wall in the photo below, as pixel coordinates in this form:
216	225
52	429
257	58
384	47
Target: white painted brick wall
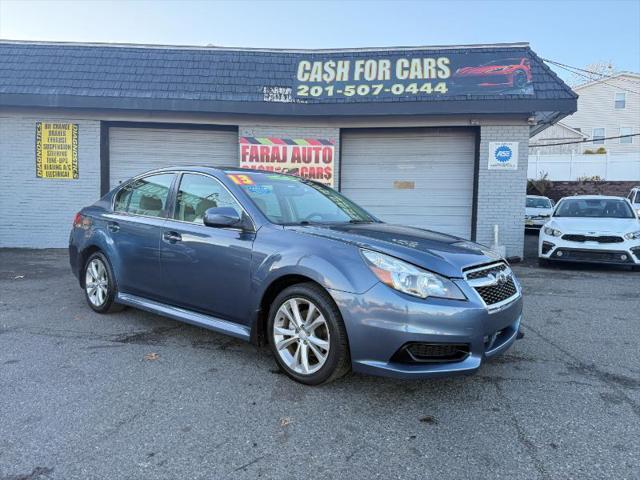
502	194
298	132
30	206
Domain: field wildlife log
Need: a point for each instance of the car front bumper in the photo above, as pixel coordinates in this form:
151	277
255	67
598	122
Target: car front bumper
557	249
382	321
533	222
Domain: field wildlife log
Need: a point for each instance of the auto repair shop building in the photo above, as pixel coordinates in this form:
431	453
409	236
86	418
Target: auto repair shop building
434	137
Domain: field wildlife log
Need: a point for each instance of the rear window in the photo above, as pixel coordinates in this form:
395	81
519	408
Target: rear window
538	203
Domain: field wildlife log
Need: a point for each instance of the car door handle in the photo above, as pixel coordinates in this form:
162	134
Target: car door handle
113	226
171	237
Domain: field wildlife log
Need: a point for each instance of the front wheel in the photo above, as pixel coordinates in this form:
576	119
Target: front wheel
307	335
99	284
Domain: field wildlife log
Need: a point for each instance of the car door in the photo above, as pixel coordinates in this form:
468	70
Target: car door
205	269
135	227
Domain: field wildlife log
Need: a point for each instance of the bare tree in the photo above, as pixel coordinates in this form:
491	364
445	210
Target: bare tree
592	71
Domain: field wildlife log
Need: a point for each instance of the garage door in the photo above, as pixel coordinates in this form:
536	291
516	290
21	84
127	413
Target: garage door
135	150
417	177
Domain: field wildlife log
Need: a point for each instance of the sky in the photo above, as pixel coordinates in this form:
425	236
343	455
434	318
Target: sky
577	33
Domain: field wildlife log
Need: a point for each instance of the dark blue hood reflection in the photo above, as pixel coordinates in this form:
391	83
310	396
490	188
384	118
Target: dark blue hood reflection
437	252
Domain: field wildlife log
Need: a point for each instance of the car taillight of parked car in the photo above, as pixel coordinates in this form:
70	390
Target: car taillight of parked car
80	221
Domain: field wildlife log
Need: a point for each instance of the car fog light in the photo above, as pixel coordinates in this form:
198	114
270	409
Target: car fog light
623	257
559	253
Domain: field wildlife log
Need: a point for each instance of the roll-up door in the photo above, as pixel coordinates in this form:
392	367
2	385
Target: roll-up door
418	177
135	150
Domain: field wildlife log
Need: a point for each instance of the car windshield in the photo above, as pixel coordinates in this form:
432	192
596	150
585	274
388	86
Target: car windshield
594	208
289	200
538	202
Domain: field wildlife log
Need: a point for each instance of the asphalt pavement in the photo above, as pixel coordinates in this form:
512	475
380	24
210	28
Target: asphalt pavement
136	396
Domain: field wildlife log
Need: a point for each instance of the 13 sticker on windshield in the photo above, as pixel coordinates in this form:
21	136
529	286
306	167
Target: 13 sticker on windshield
240	179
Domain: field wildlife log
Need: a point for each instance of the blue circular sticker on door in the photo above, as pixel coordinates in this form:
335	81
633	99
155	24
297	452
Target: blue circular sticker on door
503	154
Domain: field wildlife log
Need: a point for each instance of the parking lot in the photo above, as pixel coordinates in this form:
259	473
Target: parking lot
134	395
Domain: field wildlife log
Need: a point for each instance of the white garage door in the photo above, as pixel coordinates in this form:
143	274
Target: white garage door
135	150
417	177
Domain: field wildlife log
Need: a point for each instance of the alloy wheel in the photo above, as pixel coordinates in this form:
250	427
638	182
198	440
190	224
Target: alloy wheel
301	336
96	282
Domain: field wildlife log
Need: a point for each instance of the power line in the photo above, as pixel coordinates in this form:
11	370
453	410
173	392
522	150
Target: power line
569	69
586	140
604	75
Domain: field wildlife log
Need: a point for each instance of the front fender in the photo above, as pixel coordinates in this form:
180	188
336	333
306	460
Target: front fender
333	264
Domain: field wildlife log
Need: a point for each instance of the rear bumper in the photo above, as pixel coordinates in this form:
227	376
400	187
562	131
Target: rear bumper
381	321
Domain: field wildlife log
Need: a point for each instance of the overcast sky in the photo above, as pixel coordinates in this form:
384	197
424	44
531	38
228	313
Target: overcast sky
574	32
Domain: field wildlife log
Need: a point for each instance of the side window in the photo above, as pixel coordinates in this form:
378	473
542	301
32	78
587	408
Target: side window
198	193
146	196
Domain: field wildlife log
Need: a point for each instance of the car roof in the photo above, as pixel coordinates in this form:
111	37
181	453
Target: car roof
593	197
210	169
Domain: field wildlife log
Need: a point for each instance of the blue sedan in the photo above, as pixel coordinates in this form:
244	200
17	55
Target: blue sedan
279	260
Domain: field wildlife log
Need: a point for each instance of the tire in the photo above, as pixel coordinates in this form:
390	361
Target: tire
519	79
289	348
100	298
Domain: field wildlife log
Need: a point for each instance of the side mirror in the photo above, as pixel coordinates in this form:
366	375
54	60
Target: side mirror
222	217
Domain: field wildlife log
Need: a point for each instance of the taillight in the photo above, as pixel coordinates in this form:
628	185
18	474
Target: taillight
80	221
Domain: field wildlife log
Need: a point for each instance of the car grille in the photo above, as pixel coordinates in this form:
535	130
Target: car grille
492	291
486	271
574	254
497	293
587	238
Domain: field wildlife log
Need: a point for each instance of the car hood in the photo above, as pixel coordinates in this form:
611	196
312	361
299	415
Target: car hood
536	212
440	253
594	226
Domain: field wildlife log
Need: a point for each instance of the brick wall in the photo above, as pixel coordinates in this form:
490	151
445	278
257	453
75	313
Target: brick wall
327	133
501	194
29	205
557	190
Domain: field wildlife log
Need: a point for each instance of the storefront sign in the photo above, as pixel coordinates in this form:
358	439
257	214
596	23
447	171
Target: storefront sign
503	155
306	157
415	74
57	150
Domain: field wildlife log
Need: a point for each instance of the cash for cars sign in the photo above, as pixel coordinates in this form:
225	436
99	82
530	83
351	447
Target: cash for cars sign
306	157
57	150
503	155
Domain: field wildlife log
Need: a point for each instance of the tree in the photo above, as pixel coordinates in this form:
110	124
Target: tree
594	71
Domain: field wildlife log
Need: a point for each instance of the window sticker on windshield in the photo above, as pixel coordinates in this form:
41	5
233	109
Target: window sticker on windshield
282	177
239	179
260	189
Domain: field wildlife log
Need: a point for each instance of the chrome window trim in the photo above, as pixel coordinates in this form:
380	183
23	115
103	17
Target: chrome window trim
169	215
135	179
187	172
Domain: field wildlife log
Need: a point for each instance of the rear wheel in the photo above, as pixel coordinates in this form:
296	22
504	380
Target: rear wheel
519	79
99	284
307	335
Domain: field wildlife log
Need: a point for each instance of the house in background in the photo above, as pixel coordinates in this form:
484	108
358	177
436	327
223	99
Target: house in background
556	134
609	108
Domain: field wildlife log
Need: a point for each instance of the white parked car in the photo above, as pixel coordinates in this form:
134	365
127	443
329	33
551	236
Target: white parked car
634	198
591	228
537	211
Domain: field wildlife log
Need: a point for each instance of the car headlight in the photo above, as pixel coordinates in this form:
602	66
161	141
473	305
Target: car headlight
633	235
552	231
408	279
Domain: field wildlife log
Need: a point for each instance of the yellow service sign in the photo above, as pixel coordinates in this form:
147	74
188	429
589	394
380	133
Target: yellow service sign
57	150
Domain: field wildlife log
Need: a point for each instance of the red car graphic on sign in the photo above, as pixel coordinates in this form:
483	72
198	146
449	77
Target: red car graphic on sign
506	72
